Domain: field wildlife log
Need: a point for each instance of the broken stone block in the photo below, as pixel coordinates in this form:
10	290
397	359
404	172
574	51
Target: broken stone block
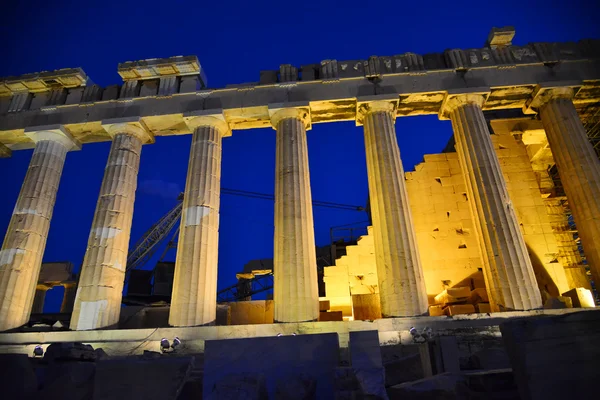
558	302
367	307
456	309
581	298
479	295
18	379
324	305
239	386
251	312
330	316
126	379
453	295
554	357
70	351
436	310
483	308
478	281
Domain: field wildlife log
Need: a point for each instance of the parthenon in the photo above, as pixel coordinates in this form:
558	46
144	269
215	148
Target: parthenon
483	242
551	90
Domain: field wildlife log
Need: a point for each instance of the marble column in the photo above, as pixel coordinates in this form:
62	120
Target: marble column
295	290
98	298
194	299
25	240
68	297
508	271
399	272
39	299
579	169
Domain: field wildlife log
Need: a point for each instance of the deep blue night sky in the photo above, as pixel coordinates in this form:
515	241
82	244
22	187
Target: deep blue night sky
234	40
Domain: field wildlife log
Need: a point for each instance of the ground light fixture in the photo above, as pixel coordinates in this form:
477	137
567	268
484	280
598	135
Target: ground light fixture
176	342
421	337
38	351
164	345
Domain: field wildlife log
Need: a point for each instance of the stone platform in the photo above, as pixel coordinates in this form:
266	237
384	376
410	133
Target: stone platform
392	331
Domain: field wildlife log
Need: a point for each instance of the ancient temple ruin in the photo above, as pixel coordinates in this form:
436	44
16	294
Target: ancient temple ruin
481	228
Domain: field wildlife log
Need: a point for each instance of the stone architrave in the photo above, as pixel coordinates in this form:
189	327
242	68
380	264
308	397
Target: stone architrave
578	166
100	289
25	240
194	299
400	275
508	271
296	292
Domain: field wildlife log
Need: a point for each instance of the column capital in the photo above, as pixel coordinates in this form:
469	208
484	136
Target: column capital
209	120
54	133
454	100
129	126
545	92
365	107
215	117
279	114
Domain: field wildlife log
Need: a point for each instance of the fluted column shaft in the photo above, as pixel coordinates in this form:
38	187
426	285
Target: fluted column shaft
399	272
296	292
25	240
194	299
579	169
68	298
508	271
39	299
100	290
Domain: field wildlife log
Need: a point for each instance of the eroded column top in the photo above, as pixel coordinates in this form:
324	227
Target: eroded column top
457	101
128	126
542	95
300	113
217	122
453	101
368	107
55	133
142	134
